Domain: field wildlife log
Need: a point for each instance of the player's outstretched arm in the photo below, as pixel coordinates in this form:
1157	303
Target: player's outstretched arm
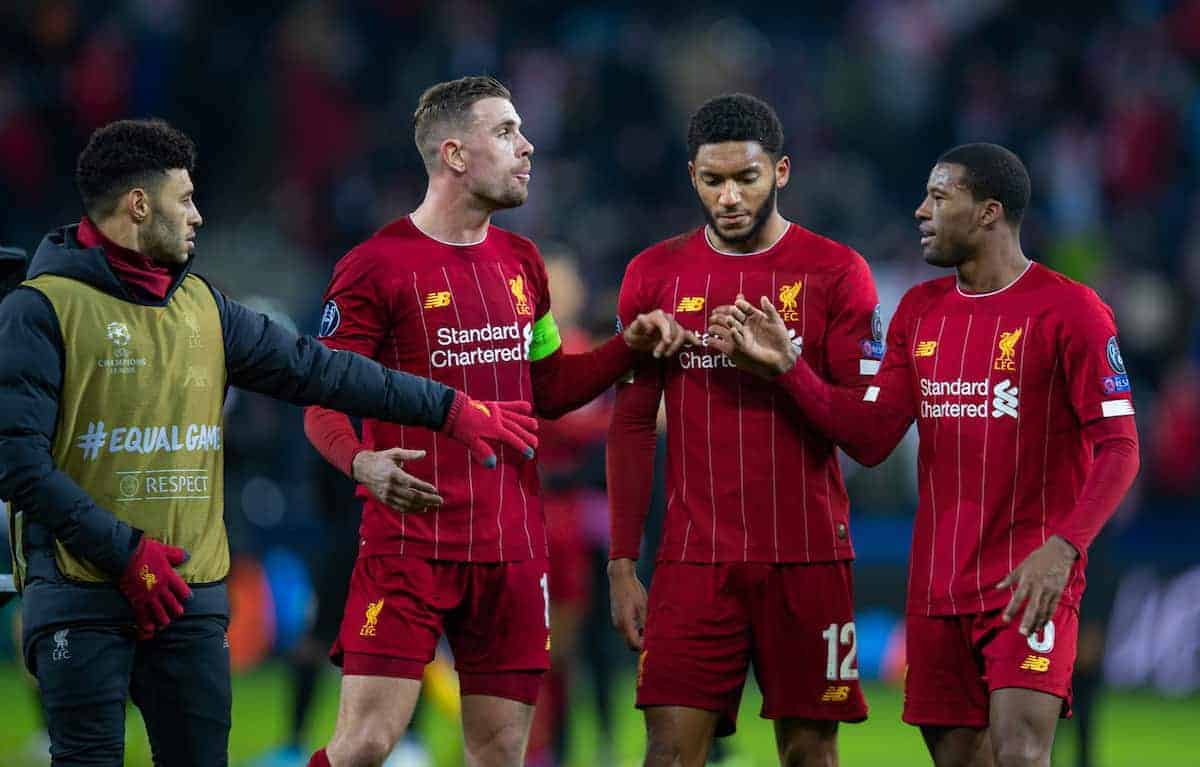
866	423
264	357
563	382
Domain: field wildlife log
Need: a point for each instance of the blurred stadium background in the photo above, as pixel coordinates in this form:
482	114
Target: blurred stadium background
301	111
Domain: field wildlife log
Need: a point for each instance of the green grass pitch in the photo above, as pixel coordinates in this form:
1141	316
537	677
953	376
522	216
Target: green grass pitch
1137	729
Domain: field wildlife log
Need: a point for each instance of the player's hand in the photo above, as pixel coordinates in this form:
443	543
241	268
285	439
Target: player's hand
152	586
658	333
480	424
383	474
627	600
755	339
1040	581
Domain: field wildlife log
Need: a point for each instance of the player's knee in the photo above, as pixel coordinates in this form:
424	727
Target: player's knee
1020	752
367	748
663	752
810	746
502	747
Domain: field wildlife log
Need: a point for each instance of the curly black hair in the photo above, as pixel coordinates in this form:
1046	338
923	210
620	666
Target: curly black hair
993	173
129	153
735	117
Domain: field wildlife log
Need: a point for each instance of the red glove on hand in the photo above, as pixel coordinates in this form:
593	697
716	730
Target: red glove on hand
475	424
152	586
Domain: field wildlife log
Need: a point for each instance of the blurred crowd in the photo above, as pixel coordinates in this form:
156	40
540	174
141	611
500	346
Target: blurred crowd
302	115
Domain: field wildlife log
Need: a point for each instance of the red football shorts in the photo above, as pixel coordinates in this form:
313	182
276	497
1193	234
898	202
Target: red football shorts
705	623
956	661
495	616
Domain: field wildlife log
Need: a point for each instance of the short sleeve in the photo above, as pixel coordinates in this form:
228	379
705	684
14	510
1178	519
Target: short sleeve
1097	381
354	316
854	336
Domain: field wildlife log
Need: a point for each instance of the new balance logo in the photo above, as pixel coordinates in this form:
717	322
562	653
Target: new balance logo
839	693
690	304
437	300
925	349
1005	402
1039	664
92	441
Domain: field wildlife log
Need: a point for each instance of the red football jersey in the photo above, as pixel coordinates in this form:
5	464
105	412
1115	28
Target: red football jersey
462	315
747	480
1001	386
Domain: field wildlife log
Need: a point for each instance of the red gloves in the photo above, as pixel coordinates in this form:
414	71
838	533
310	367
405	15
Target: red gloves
152	586
475	424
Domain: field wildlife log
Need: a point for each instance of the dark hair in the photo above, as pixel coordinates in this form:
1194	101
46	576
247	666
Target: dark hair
126	154
735	117
993	172
448	105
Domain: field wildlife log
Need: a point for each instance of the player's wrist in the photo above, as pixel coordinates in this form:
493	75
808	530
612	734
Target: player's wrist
358	464
622	567
1065	547
785	363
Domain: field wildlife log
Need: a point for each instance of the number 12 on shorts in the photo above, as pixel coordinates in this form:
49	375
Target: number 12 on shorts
835	638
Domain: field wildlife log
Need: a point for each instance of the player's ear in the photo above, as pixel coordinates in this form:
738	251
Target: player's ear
990	213
137	204
452	154
692	174
783	171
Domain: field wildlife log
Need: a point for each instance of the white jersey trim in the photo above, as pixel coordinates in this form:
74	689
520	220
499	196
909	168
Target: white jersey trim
1024	272
1115	407
480	241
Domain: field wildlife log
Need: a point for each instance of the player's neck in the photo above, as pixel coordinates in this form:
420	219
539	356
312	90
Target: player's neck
451	218
118	231
992	269
766	238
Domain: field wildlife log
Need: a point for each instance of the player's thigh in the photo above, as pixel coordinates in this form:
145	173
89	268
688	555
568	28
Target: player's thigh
181	685
500	632
495	730
1022	725
697	639
806	644
1030	683
944	685
394	615
679	736
83	677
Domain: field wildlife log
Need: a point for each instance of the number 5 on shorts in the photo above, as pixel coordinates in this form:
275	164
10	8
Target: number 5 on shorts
833	640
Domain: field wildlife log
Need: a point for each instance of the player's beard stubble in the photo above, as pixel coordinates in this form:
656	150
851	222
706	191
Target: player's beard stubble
758	220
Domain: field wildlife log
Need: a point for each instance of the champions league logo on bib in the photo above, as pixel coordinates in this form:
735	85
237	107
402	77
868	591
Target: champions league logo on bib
331	319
